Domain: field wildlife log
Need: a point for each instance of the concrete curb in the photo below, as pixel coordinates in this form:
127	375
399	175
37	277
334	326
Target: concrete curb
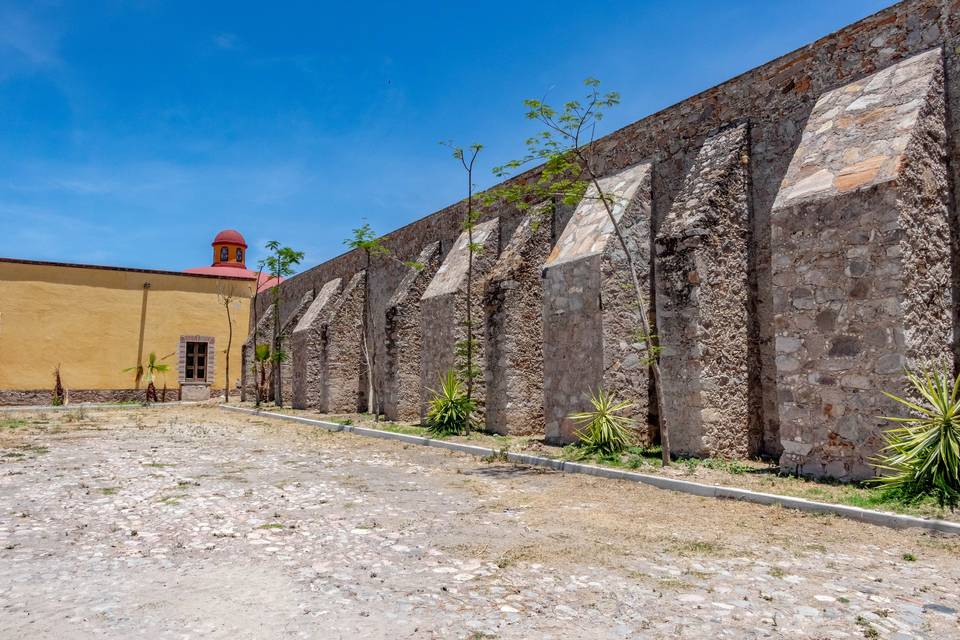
881	518
95	405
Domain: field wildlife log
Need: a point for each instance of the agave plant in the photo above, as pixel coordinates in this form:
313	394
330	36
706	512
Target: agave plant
450	408
604	430
922	453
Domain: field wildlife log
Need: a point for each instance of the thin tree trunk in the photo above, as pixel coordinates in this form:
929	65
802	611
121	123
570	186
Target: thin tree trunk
654	364
278	374
469	291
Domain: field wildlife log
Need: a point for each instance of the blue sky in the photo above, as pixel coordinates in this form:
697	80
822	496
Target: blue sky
130	132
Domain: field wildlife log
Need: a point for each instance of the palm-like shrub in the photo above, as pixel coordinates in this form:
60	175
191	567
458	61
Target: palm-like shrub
450	408
604	430
922	454
149	372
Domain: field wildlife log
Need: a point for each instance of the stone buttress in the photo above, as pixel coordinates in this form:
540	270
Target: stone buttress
286	345
307	346
443	310
592	329
513	307
341	346
703	304
403	393
861	264
262	334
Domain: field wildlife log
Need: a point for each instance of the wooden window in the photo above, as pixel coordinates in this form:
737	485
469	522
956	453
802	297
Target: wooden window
196	362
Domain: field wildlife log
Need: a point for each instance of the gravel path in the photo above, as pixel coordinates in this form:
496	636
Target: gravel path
192	523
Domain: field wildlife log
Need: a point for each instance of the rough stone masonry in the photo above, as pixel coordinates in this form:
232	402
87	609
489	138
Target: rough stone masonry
796	233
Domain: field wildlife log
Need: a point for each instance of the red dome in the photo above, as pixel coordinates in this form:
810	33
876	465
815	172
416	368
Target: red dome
230	236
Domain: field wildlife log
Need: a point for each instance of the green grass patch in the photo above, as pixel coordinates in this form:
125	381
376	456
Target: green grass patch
12	423
272	525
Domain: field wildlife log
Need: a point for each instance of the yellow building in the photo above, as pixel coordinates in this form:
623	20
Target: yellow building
99	323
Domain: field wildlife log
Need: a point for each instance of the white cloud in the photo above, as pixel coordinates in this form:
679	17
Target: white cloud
228	41
26	45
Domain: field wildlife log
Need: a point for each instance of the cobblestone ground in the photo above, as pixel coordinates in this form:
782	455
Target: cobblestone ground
195	523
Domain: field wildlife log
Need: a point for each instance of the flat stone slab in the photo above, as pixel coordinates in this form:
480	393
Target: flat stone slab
857	134
590	230
452	274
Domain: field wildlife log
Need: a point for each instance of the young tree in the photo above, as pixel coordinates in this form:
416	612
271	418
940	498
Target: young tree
261	357
364	239
279	264
567	149
227	294
258	397
149	372
467	349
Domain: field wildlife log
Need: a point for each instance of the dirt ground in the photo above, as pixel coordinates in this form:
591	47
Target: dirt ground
192	522
755	475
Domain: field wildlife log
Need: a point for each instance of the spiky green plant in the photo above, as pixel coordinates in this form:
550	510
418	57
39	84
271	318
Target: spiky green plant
922	454
604	430
450	408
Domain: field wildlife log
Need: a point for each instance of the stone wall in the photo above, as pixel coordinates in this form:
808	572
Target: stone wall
704	305
307	347
287	346
403	392
590	316
861	264
342	361
43	397
443	311
262	335
513	332
776	101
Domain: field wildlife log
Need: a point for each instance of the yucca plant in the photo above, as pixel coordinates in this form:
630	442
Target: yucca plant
604	430
450	408
922	454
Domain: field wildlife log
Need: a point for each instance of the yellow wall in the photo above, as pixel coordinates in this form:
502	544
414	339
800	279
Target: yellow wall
89	321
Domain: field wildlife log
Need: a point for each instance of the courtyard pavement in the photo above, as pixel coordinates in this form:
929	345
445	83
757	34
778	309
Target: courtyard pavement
191	523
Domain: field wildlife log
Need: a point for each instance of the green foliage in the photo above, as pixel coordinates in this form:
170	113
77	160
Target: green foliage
564	147
365	239
261	352
450	409
148	372
922	454
415	265
154	366
281	262
604	430
472	216
278	356
650	346
466	352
